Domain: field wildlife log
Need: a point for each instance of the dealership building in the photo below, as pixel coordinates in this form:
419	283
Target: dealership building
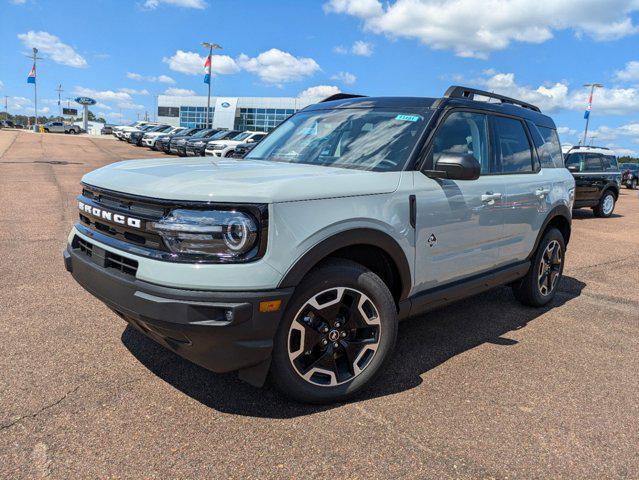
234	113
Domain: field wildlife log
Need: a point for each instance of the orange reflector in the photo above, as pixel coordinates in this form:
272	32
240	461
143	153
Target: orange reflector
272	306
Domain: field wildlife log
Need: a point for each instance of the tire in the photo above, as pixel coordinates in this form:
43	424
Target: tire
334	287
229	154
46	130
72	132
606	205
529	290
633	184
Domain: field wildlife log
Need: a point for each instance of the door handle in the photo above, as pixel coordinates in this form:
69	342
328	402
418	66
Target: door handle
490	197
542	192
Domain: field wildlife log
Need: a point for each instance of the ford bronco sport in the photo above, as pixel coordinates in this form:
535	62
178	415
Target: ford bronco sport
597	178
298	260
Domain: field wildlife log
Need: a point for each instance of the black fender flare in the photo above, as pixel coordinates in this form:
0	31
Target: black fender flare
358	236
558	211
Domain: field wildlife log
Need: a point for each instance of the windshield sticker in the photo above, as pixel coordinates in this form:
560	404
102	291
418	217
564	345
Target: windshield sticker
408	118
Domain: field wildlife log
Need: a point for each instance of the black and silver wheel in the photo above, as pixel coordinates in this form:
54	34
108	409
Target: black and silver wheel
550	268
633	184
337	333
539	286
606	205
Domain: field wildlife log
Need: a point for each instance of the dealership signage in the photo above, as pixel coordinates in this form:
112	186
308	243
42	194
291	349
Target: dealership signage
85	101
70	111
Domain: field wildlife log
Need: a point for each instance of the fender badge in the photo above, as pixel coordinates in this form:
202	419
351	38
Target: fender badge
432	240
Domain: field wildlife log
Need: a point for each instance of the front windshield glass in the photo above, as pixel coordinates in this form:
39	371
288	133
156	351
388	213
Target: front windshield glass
219	135
201	133
240	137
366	139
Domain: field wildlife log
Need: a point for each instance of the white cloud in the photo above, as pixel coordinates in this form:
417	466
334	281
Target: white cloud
152	4
43	110
317	93
131	106
192	63
277	67
566	131
552	97
149	78
132	91
474	28
53	48
630	72
103	95
1	84
363	49
179	92
18	2
629	131
345	77
360	48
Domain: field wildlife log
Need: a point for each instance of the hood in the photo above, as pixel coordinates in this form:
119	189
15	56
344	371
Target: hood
242	181
226	143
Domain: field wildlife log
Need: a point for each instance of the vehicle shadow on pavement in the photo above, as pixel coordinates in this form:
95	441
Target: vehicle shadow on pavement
588	214
423	343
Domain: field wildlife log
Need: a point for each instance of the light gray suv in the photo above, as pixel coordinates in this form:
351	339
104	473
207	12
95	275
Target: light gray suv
356	212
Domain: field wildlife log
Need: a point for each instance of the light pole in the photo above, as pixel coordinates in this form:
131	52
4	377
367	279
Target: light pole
589	107
6	107
207	78
59	90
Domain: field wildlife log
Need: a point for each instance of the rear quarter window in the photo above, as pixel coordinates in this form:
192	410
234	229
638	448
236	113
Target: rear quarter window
548	147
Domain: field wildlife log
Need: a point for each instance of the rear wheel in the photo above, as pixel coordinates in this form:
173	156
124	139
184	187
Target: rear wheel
633	184
539	286
229	153
606	205
46	130
336	335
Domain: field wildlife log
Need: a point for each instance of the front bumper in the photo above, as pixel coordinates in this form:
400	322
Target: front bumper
212	153
221	331
148	142
194	151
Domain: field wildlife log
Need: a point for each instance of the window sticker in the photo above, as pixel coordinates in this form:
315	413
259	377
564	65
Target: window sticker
408	118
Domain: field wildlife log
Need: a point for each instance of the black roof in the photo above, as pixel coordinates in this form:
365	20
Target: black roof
455	97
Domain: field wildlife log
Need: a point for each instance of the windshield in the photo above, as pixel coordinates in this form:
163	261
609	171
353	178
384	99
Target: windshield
629	166
367	139
202	133
241	136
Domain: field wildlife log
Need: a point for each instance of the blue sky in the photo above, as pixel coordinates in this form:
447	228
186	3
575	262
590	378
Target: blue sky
125	52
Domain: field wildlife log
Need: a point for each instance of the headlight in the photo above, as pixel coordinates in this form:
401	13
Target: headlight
198	143
223	235
216	147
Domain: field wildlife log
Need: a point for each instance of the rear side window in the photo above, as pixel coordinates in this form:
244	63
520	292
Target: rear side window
512	146
463	132
610	163
593	163
550	151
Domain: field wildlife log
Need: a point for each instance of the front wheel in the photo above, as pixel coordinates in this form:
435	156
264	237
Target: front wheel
633	184
338	332
606	205
539	286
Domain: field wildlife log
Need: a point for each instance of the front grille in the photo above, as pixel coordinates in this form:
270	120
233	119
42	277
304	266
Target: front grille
113	204
105	258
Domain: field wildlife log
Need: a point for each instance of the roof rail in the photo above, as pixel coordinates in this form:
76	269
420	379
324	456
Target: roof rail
340	96
577	147
455	91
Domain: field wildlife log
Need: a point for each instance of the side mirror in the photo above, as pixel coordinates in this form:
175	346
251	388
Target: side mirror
250	140
456	166
573	168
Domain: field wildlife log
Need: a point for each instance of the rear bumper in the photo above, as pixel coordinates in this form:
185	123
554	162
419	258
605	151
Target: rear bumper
221	331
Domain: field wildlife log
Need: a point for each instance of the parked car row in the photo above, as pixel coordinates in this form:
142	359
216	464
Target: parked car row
10	124
189	142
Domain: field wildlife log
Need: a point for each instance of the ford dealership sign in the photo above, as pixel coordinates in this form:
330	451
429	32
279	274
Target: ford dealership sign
85	101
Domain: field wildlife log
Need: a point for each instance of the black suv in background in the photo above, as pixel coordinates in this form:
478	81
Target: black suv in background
630	175
597	178
163	142
196	145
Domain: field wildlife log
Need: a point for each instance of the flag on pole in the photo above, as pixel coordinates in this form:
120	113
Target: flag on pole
207	70
588	108
32	75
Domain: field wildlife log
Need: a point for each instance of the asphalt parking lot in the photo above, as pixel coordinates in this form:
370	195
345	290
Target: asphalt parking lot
482	389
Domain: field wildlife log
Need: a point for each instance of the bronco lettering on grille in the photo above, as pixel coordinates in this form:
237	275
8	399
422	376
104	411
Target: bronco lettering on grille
110	216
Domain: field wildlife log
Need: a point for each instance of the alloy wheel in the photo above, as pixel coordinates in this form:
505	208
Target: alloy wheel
549	268
608	204
334	336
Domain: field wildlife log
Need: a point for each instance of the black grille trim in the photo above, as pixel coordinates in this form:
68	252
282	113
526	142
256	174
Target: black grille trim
105	258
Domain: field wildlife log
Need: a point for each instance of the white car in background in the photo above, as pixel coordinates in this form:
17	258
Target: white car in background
225	148
148	140
143	128
120	130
